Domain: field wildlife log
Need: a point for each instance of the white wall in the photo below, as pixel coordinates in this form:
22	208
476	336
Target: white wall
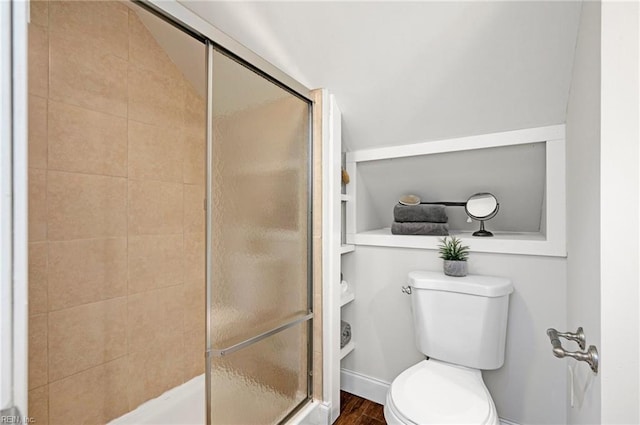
619	212
583	204
409	71
529	388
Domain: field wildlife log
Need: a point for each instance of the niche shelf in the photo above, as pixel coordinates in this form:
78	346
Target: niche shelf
347	349
549	241
502	242
344	249
346	298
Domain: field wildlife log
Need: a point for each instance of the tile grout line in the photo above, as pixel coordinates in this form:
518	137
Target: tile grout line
110	114
108	237
127	177
46	190
87	369
126	332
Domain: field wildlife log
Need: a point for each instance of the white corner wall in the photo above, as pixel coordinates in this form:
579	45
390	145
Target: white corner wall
620	189
583	205
531	386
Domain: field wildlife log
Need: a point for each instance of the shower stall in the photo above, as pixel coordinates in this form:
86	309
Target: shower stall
170	236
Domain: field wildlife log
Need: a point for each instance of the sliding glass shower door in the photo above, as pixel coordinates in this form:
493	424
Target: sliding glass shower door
258	238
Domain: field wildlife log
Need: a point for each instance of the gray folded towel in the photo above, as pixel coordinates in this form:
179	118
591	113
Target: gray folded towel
421	228
345	333
431	213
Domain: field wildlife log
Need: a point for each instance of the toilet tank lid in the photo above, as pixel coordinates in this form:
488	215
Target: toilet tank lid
484	286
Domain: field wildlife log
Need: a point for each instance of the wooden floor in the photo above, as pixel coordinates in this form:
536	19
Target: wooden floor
358	411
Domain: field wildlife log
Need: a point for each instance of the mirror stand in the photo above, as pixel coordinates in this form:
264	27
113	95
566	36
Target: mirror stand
482	231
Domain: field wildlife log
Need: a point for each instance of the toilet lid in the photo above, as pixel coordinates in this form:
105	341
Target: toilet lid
433	392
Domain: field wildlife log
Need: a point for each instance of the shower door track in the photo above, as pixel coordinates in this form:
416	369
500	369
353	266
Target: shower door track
239	346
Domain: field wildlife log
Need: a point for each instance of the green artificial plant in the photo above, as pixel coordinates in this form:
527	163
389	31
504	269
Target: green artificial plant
451	249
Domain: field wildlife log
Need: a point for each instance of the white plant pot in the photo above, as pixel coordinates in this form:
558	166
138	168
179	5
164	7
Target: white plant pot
455	268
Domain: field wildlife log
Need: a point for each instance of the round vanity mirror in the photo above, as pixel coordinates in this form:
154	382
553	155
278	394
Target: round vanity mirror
482	206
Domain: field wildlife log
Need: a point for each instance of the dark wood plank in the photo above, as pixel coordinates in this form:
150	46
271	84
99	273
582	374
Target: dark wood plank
355	410
375	411
368	420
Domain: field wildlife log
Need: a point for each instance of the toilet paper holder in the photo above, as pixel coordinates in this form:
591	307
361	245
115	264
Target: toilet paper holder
590	356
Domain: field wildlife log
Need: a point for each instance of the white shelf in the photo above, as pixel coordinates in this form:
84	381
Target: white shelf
345	198
346	298
347	349
534	243
346	248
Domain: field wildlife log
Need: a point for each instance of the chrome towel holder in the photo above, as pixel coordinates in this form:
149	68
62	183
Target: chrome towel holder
590	356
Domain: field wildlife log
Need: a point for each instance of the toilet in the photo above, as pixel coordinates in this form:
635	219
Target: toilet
461	326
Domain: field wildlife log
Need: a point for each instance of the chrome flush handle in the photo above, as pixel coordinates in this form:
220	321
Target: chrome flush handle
406	290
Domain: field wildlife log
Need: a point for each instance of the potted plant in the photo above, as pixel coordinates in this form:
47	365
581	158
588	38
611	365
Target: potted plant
454	255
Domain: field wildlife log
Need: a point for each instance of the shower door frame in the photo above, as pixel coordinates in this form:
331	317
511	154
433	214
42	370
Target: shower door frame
215	40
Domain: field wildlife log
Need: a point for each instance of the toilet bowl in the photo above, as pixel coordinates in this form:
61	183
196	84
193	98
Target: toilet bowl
435	392
460	324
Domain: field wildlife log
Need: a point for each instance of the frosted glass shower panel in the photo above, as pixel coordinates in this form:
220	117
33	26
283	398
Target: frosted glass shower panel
260	197
262	383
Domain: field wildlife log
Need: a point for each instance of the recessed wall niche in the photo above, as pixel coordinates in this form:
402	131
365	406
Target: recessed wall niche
524	169
514	174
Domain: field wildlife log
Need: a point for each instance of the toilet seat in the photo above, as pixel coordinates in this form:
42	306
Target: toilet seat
434	392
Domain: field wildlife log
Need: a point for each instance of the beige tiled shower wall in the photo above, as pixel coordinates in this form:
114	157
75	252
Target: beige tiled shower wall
116	221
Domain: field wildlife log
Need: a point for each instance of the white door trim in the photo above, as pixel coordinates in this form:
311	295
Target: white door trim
6	211
13	207
620	302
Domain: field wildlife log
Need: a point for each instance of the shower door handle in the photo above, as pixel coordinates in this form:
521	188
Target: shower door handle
235	347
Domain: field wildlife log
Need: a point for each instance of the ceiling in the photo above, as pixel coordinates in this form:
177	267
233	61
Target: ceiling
405	72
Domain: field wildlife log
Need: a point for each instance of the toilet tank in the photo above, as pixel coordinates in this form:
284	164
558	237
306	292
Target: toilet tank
461	320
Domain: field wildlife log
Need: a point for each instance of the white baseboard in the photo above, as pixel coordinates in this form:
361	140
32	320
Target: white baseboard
374	389
364	386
